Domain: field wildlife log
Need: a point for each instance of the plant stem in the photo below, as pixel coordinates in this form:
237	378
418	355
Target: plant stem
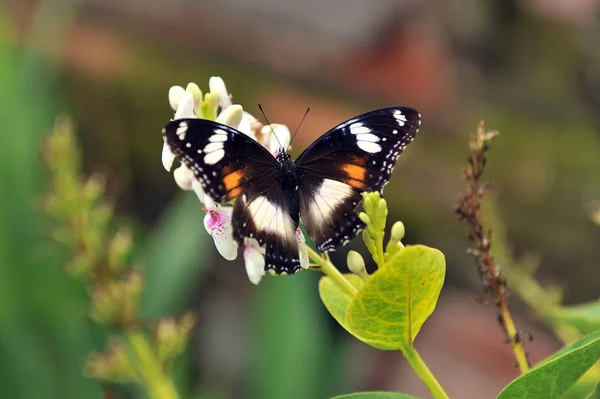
155	380
468	209
514	338
330	270
417	364
380	261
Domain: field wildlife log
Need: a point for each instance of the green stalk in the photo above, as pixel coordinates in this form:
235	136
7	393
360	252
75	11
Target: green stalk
330	270
155	380
417	364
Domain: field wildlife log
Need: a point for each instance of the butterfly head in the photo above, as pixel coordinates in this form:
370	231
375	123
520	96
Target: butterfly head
283	156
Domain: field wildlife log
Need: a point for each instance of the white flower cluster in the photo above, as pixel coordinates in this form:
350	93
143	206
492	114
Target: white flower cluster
216	105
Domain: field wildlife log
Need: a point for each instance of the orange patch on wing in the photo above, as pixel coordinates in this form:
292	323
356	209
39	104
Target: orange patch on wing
356	175
234	193
233	182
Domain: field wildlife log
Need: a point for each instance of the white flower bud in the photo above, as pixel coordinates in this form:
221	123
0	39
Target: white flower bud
356	263
194	90
254	259
184	177
185	109
398	231
176	93
302	251
231	116
167	157
217	85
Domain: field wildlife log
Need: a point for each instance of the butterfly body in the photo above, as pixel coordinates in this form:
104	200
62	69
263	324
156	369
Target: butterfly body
321	188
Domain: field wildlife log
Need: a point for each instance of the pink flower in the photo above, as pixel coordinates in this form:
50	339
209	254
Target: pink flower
218	224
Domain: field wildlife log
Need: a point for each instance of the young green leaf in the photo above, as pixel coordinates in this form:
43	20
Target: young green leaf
584	388
554	376
584	317
337	300
595	394
389	311
376	395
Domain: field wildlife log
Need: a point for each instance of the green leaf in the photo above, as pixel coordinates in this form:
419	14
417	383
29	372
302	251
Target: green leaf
595	394
584	317
582	389
389	311
376	395
336	300
555	375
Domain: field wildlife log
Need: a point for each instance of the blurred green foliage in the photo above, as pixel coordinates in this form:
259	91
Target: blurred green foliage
546	166
44	334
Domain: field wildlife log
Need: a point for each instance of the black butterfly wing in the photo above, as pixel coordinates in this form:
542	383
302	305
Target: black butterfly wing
270	218
223	159
231	165
355	156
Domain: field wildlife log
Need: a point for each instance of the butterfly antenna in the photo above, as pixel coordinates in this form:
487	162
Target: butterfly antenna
300	124
269	123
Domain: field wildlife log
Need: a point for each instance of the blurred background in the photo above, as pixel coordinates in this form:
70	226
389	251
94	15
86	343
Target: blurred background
529	68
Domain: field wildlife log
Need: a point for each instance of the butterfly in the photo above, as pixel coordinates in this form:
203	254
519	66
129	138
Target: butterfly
321	188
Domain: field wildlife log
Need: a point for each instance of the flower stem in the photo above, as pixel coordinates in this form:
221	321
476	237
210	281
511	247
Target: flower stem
330	270
156	381
513	335
380	261
417	364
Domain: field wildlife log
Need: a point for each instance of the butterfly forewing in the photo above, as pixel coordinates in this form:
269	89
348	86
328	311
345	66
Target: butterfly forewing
355	156
223	159
231	165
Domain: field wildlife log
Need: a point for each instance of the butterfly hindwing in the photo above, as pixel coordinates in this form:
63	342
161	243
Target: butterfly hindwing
270	218
223	159
355	156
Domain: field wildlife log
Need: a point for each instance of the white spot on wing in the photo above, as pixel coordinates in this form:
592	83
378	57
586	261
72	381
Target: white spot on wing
367	137
330	194
369	147
214	157
210	147
181	130
217	138
400	117
270	217
359	128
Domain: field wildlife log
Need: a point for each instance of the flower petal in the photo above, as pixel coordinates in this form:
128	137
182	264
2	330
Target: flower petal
249	124
279	138
167	157
176	93
302	251
184	177
217	85
254	260
197	187
231	116
218	225
185	109
210	204
195	90
197	94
